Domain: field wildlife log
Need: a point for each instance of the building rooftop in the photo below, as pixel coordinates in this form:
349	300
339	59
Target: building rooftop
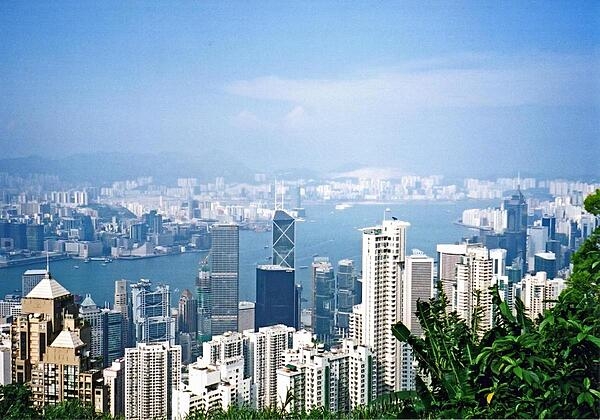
48	288
67	339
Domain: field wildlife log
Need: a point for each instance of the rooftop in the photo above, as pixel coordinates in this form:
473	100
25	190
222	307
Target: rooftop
48	288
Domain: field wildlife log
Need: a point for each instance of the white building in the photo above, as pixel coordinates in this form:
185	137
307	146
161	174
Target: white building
152	372
417	284
474	275
337	380
538	293
383	258
264	351
114	382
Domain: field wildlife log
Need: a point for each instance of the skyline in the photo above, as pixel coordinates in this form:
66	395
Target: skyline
402	85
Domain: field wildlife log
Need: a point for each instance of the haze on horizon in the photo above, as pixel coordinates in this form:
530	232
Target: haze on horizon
440	87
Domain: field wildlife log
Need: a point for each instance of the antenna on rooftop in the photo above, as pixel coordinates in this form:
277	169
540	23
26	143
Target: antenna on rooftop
47	258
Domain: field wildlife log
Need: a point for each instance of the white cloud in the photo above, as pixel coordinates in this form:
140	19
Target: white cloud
469	80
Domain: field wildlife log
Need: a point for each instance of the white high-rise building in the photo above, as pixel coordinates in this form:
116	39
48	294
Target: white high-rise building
337	380
383	259
417	284
114	382
538	293
448	256
264	351
152	372
474	275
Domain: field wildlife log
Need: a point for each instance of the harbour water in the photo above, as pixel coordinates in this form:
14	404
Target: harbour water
325	232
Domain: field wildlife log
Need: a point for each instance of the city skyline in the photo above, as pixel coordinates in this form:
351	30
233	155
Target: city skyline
413	82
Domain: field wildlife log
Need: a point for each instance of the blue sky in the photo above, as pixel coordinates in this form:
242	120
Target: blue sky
427	87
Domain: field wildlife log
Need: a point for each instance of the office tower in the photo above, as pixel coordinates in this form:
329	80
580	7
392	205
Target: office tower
138	232
154	222
263	352
516	230
30	279
549	222
35	237
114	383
188	313
123	306
275	296
417	284
151	310
473	280
90	313
18	233
113	346
224	278
51	347
283	239
546	262
345	296
247	311
87	232
152	373
323	279
204	304
383	259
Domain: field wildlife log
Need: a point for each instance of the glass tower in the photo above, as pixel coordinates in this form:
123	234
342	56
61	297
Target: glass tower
283	239
276	298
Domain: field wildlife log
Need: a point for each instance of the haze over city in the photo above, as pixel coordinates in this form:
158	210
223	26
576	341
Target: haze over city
447	88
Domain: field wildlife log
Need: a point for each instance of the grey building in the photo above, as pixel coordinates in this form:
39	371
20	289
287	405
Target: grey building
224	277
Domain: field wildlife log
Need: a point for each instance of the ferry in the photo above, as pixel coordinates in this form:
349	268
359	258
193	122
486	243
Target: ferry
343	206
303	267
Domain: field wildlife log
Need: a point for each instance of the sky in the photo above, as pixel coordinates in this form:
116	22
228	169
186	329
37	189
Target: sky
443	87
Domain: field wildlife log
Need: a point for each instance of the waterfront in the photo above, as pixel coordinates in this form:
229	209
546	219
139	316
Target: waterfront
325	232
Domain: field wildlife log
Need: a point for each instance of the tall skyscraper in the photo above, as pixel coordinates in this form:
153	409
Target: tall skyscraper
275	296
204	304
188	313
345	295
123	306
284	239
516	230
224	278
152	372
383	259
151	309
89	312
35	237
113	346
323	280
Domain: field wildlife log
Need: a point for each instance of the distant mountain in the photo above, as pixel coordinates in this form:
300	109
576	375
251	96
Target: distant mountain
109	167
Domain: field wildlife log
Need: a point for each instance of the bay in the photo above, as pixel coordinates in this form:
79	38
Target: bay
325	232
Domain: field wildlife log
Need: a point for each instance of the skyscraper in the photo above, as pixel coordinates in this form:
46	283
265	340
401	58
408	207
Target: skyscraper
284	239
151	309
417	284
123	306
275	296
516	230
224	278
152	372
204	304
383	259
188	313
345	296
89	312
323	279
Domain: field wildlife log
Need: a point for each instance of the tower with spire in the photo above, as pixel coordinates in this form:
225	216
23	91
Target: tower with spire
50	345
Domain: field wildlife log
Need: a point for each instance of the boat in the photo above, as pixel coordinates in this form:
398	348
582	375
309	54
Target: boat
87	260
343	206
303	267
75	266
315	255
266	246
268	258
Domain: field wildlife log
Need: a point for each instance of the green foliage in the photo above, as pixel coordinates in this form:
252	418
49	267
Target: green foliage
15	403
